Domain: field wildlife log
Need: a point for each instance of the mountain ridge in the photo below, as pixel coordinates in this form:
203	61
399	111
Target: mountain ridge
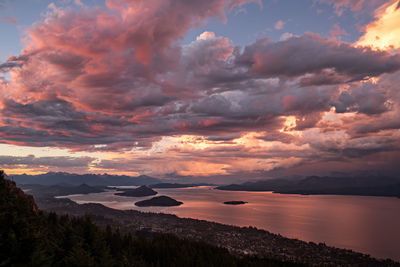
55	178
364	186
30	237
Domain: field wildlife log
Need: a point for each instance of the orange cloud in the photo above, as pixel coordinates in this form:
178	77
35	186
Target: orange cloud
384	32
116	78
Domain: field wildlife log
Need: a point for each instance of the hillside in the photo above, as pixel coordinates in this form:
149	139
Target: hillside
363	186
238	240
60	190
30	237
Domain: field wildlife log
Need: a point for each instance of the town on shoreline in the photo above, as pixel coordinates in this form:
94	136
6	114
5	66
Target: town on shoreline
238	240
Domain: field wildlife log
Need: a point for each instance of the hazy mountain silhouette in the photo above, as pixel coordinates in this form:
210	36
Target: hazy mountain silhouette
30	237
366	186
56	178
61	189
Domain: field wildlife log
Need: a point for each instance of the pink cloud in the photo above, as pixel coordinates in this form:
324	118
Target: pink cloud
279	25
353	5
11	20
313	54
115	78
337	31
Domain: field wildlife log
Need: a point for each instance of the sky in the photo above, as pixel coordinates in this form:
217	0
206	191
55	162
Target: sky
224	90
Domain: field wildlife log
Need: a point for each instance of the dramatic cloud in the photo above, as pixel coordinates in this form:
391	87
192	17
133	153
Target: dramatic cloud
7	66
31	160
116	80
34	164
312	54
384	31
367	98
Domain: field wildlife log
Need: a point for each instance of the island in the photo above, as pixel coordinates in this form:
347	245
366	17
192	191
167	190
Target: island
161	201
175	185
142	191
240	241
235	202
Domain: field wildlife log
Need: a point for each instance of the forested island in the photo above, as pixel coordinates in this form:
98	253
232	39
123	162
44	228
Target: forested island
353	185
235	202
142	191
175	185
161	201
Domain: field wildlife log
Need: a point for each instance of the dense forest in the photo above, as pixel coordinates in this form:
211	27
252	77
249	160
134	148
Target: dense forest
30	237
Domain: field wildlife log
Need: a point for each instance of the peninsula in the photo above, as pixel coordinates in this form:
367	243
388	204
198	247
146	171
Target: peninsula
314	185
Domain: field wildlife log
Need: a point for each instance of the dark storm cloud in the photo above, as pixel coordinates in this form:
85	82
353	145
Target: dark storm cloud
359	147
313	54
110	79
367	98
7	66
53	109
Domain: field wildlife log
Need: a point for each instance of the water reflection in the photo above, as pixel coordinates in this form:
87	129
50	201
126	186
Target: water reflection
365	224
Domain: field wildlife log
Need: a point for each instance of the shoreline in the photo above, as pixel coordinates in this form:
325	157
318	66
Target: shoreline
299	193
301	233
238	240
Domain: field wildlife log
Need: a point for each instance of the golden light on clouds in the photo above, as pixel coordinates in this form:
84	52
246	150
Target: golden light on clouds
17	170
289	124
384	32
197	156
127	89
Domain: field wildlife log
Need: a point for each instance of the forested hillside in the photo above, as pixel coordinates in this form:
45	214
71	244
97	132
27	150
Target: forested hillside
30	237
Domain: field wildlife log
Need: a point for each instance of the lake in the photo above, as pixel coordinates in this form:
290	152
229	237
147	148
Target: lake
366	224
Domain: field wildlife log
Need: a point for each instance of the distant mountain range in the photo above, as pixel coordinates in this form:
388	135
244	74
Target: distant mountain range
364	186
62	178
46	191
357	185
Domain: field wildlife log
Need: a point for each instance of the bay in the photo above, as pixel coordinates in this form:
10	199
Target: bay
369	225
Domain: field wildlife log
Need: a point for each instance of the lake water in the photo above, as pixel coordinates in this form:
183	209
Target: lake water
366	224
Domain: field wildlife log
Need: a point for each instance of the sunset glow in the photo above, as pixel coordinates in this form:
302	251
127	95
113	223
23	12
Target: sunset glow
384	32
168	89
